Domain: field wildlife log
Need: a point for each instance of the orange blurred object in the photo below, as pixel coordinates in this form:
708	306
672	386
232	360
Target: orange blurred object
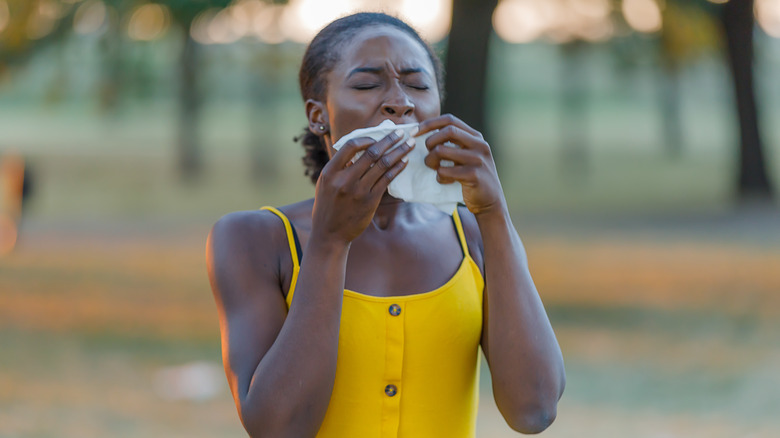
12	188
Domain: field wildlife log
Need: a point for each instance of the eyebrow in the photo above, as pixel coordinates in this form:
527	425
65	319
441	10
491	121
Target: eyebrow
379	70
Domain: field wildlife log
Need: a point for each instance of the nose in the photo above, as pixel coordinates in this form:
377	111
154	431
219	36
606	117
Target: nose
397	103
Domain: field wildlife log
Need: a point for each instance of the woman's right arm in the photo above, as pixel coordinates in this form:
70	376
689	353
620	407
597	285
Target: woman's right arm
281	367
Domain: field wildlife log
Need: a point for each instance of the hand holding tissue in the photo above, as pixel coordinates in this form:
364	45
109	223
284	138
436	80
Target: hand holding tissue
417	182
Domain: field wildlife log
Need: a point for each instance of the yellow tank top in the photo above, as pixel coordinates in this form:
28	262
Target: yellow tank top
407	366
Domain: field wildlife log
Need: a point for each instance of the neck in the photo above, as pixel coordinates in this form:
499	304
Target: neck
389	207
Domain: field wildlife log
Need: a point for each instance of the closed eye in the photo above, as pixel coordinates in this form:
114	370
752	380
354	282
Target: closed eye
365	86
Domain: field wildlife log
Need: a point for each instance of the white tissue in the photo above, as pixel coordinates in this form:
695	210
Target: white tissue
417	182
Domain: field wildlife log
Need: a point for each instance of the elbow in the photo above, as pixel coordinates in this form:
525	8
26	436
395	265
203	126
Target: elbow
255	427
532	416
275	419
532	420
258	425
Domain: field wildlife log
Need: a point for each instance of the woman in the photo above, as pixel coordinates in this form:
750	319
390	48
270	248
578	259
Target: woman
341	315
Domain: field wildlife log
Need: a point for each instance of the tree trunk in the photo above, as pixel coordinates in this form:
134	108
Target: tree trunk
265	80
467	58
190	102
112	74
668	77
738	22
574	114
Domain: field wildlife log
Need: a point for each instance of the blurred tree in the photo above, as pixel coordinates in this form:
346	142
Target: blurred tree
467	60
691	27
265	77
573	111
113	76
689	31
183	13
738	24
33	24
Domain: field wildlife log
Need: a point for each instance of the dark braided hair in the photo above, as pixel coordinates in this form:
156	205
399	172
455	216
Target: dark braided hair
321	56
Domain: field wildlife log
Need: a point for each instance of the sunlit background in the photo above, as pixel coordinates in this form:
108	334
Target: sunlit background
127	127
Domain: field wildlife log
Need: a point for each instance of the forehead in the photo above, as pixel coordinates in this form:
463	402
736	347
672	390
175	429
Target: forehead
380	45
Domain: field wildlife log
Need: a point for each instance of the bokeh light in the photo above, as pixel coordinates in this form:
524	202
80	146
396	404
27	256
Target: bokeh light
223	27
522	21
5	15
42	22
768	16
431	18
265	24
148	22
302	19
199	30
91	16
642	15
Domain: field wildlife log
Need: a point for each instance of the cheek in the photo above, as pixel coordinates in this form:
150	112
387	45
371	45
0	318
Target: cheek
428	108
349	113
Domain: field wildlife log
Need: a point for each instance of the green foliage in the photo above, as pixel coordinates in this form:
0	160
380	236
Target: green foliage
184	12
17	42
690	29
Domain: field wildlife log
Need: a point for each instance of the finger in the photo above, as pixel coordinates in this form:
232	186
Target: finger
466	175
387	161
381	185
376	151
446	120
456	155
349	150
458	136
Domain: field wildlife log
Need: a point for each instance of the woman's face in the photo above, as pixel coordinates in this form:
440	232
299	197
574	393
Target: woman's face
383	74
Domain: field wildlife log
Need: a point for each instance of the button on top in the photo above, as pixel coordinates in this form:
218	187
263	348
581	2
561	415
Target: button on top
391	390
395	309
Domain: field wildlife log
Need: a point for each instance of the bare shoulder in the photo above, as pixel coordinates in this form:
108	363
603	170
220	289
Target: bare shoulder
245	233
248	250
256	233
243	253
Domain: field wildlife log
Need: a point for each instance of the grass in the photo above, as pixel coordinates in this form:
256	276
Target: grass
659	339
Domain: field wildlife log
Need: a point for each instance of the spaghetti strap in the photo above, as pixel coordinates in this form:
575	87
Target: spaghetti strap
295	249
461	234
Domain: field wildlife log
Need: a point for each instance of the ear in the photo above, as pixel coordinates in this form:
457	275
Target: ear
317	114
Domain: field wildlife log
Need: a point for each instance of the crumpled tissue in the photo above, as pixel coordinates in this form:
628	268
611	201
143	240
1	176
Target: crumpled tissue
417	182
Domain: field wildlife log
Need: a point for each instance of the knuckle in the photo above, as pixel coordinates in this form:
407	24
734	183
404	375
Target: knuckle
385	162
373	153
350	146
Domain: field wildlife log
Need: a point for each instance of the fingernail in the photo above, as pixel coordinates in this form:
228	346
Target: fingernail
414	130
411	143
399	133
405	159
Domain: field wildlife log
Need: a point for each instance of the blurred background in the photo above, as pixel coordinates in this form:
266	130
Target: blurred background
638	143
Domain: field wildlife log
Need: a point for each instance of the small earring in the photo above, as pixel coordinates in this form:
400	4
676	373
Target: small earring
322	128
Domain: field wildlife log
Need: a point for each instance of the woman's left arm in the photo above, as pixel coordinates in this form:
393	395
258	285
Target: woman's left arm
525	360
